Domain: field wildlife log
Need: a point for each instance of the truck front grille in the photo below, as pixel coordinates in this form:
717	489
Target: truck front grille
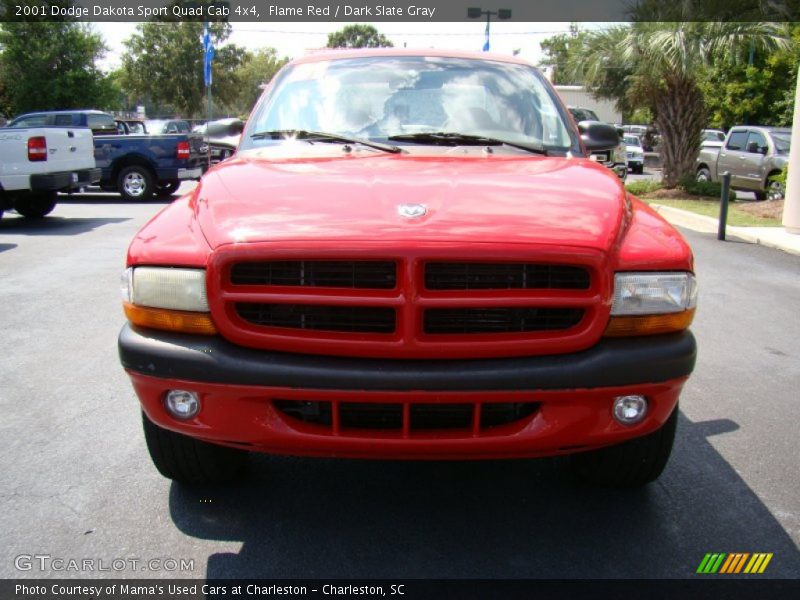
373	303
376	275
363	319
500	320
504	276
418	417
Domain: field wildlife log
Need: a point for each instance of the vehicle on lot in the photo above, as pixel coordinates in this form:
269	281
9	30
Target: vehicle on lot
635	153
613	158
157	126
712	138
99	122
222	137
38	162
755	158
410	256
648	135
136	166
131	127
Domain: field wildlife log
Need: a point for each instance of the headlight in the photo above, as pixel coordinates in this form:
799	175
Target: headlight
167	298
653	293
178	289
650	303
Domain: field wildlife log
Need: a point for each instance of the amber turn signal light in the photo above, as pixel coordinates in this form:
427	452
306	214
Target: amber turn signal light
649	324
170	320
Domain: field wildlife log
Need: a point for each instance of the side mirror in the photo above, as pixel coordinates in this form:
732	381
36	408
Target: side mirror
597	136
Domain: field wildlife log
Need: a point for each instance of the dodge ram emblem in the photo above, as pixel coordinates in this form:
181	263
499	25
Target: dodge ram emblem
412	211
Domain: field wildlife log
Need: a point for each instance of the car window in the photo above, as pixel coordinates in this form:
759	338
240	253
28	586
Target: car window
31	121
101	123
60	120
632	140
155	127
583	114
782	142
737	140
713	136
758	138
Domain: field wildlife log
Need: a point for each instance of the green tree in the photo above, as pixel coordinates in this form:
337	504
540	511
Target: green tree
665	63
557	51
256	69
164	63
358	36
52	65
758	89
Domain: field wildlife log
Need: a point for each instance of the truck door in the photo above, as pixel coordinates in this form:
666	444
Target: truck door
753	165
731	157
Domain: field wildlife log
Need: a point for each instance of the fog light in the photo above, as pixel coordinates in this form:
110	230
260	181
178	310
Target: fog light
182	404
629	410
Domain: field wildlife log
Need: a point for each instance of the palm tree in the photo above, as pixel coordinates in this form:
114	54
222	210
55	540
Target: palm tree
660	63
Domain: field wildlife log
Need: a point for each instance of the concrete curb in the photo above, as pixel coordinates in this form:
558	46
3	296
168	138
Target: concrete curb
772	237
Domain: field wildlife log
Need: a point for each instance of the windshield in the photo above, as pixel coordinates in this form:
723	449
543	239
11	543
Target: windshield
632	140
376	98
782	142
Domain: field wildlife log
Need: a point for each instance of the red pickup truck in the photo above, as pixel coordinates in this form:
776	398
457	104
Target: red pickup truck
410	257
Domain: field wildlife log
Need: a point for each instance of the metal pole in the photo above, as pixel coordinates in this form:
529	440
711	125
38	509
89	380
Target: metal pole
723	205
208	122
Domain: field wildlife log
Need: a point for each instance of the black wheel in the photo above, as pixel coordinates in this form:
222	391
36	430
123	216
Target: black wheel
703	174
135	183
35	205
631	464
167	188
638	169
191	461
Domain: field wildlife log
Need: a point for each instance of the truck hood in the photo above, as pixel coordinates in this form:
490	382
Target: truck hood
467	199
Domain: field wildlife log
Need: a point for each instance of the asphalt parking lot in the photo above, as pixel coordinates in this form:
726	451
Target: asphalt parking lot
78	482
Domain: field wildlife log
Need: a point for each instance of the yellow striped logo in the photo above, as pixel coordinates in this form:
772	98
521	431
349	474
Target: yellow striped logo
734	563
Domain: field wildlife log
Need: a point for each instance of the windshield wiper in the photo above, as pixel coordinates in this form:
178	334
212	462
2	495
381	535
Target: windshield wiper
449	138
321	136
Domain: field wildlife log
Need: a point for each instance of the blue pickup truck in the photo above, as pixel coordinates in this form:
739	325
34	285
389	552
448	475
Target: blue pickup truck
137	166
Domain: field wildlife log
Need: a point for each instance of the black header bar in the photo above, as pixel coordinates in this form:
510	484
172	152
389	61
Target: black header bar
377	11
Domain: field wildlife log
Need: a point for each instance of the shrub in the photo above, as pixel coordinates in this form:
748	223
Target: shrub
708	189
639	188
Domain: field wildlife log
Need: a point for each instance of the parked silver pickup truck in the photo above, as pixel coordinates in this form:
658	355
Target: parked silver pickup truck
755	156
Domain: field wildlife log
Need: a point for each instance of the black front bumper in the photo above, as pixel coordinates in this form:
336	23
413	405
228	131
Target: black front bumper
64	180
211	359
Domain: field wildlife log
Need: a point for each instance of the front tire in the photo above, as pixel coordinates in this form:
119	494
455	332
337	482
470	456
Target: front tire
167	188
135	183
703	174
775	189
631	464
187	460
35	205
